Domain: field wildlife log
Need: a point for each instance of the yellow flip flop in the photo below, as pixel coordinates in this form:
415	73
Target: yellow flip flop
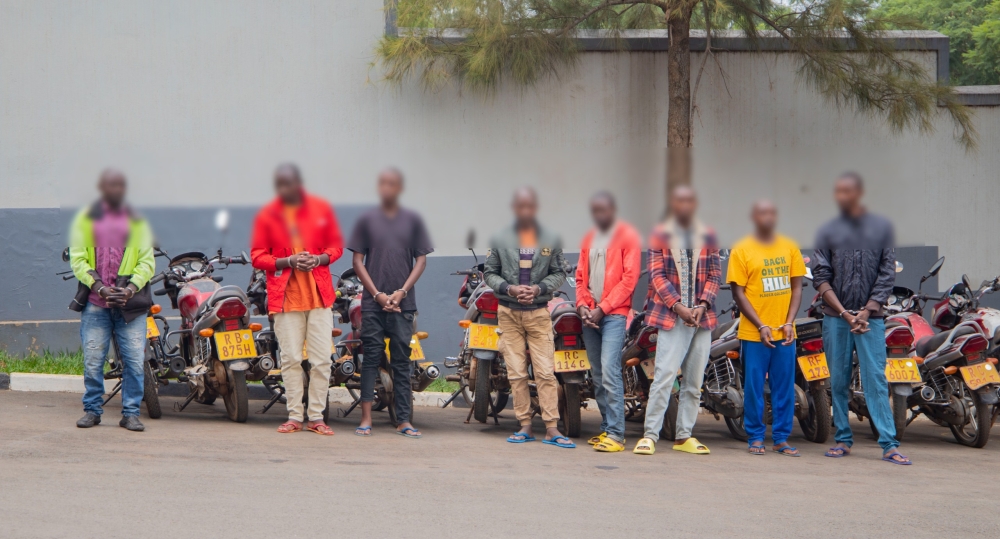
610	445
693	446
646	446
597	439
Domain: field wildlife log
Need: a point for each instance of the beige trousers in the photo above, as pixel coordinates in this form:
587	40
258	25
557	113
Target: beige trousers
312	330
531	330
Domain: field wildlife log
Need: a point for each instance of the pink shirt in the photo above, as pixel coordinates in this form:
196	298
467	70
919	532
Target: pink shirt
110	237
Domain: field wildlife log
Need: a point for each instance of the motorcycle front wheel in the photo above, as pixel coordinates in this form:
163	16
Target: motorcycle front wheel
976	432
150	395
669	429
237	400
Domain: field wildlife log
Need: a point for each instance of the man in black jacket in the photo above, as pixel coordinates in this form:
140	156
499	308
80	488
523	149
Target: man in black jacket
854	274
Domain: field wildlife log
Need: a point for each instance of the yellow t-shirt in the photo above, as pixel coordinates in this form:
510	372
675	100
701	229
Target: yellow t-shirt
765	271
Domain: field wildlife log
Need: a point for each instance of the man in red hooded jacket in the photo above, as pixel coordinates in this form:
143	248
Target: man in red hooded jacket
295	239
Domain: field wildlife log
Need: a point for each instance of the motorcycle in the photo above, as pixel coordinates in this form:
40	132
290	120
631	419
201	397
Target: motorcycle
156	362
572	365
215	339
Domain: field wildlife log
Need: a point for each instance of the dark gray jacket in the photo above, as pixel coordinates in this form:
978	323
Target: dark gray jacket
502	267
855	258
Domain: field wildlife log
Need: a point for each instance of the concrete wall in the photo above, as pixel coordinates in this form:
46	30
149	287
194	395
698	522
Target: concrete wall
198	101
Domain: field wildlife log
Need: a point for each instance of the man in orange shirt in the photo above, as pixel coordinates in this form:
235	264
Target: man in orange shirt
295	239
606	275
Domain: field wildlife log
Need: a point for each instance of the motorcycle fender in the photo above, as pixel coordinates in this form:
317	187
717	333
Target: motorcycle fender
573	377
988	394
903	390
484	354
238	365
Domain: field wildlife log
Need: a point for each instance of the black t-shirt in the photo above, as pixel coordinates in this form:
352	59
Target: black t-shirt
390	246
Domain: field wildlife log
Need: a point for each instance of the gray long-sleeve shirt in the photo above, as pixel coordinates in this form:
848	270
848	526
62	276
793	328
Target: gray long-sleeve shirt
855	258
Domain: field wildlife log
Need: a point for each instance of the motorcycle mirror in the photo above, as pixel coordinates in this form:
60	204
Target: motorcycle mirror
724	254
936	267
470	239
571	281
222	220
899	267
966	282
65	255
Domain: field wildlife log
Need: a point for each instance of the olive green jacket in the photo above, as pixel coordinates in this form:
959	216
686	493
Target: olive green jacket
502	267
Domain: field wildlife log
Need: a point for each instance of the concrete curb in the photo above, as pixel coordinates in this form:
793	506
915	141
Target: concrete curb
71	383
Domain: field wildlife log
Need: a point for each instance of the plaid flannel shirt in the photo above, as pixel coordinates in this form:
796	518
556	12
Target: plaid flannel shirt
664	281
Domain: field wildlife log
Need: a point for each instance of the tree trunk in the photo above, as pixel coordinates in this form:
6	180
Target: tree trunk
679	99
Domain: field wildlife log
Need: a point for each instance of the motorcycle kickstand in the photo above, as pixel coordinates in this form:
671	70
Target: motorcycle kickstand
181	407
452	398
118	387
351	409
270	403
495	414
469	417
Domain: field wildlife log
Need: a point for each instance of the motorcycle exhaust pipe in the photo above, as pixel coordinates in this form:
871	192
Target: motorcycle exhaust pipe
453	378
425	378
343	371
927	393
177	367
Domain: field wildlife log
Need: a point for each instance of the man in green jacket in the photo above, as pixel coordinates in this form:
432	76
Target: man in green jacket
524	268
111	253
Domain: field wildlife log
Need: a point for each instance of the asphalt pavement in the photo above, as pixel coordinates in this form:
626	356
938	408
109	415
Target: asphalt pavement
195	474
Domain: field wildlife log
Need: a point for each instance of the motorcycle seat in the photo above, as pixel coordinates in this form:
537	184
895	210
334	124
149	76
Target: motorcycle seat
929	344
227	292
722	329
565	307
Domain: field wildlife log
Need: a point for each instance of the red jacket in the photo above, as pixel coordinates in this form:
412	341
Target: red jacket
271	240
623	264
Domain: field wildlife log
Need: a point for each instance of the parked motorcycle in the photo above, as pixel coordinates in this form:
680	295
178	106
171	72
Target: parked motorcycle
216	342
572	365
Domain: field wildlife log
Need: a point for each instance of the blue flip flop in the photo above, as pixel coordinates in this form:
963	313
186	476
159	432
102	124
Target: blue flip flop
363	431
408	432
837	452
785	451
568	444
888	458
520	438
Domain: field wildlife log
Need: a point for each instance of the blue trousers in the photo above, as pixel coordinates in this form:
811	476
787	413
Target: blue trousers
604	349
840	345
776	367
97	326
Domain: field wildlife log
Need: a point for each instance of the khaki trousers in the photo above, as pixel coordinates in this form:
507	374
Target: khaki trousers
531	330
312	330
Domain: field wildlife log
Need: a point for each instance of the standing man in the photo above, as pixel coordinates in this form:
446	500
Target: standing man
390	245
684	276
854	274
111	253
766	270
295	239
606	275
525	267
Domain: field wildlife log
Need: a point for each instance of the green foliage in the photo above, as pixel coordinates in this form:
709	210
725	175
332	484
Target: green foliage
482	43
973	27
46	363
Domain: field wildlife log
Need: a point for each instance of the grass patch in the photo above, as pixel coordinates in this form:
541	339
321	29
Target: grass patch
442	386
47	363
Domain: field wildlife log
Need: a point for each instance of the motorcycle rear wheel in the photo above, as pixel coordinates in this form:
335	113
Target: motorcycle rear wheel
669	429
237	403
150	394
900	411
736	428
483	393
817	423
571	410
980	422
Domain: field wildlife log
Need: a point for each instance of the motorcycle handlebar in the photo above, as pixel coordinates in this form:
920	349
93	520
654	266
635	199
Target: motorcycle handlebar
466	272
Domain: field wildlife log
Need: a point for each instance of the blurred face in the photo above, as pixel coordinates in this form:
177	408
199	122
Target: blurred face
847	193
112	187
390	185
683	204
765	218
603	213
525	207
287	185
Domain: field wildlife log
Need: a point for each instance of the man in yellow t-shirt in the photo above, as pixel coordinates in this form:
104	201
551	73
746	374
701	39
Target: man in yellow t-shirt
765	273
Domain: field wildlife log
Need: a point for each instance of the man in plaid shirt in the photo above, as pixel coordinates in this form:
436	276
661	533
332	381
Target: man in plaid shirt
684	276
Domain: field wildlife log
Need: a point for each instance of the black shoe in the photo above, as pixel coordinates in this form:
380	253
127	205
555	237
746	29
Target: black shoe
132	423
88	420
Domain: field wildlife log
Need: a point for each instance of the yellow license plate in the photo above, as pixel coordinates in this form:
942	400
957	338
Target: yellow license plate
814	367
235	344
416	351
151	330
902	371
483	337
572	360
977	376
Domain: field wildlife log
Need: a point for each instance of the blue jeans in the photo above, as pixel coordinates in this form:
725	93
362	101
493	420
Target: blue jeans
840	343
776	366
97	326
604	348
